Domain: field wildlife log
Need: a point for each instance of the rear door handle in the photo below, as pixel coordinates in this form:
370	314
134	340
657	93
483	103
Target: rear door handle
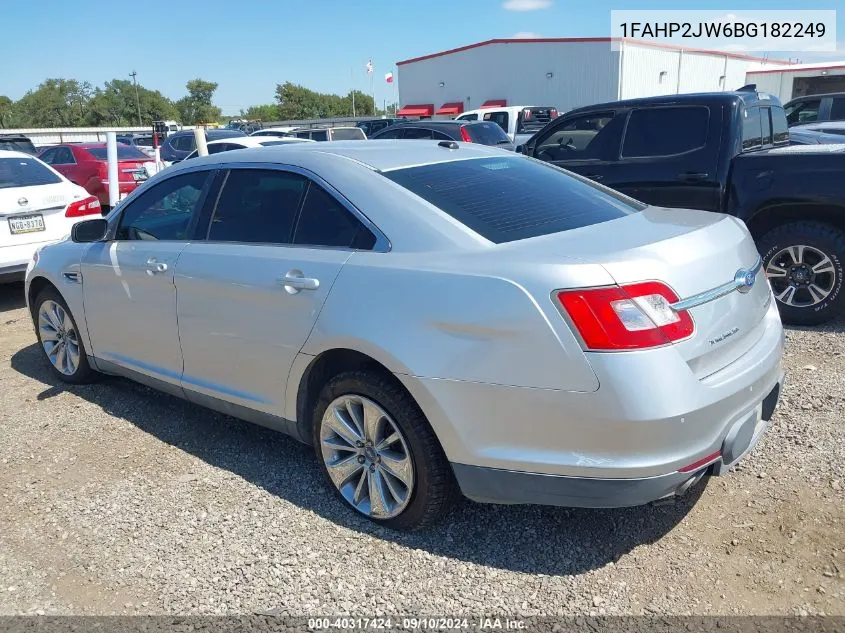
294	281
693	176
155	267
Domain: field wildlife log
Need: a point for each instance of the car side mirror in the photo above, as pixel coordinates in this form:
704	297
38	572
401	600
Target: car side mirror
89	231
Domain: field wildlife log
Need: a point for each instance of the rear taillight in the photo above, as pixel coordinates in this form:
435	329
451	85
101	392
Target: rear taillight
634	316
553	113
526	115
86	206
465	137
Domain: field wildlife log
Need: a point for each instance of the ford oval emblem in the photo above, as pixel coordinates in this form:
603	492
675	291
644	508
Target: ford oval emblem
744	280
23	202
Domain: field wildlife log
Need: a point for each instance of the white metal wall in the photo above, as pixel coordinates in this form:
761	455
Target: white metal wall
583	73
780	83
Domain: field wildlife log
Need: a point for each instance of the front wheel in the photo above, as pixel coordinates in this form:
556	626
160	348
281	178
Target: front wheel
803	262
59	338
379	453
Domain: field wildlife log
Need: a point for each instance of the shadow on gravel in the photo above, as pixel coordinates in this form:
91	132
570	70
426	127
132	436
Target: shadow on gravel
11	297
530	539
837	326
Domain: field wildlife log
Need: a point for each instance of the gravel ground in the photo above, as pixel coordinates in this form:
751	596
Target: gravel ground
120	500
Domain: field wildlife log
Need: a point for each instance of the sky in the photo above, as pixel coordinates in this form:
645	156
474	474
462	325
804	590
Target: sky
249	47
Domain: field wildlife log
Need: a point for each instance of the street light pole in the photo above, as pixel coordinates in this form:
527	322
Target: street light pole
133	74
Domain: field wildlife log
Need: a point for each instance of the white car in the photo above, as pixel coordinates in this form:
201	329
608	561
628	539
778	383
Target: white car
37	206
243	142
518	122
274	131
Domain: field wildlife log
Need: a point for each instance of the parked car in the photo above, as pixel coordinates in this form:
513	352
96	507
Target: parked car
518	122
37	206
17	143
565	344
483	132
141	142
178	145
815	109
339	133
247	127
274	131
721	152
226	145
372	126
86	164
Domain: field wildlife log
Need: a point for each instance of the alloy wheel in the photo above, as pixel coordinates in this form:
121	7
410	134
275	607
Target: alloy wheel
366	456
58	337
801	276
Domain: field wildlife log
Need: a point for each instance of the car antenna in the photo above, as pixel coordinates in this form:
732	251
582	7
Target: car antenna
448	144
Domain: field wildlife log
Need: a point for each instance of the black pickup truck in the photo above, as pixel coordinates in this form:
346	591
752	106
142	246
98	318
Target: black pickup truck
727	152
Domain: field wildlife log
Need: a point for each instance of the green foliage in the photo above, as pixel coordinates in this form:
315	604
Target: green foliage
266	112
298	102
115	104
6	111
55	103
196	106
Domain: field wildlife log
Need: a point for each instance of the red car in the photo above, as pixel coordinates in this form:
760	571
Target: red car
86	165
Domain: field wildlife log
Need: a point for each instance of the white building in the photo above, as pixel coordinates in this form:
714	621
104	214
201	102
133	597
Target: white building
565	73
797	80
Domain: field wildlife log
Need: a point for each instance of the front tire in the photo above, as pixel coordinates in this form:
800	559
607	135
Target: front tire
59	338
378	452
804	264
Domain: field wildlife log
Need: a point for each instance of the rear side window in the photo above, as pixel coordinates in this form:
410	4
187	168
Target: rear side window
512	198
469	117
319	135
665	131
780	129
837	109
25	172
499	118
356	134
752	129
487	133
392	133
417	133
257	206
325	222
803	111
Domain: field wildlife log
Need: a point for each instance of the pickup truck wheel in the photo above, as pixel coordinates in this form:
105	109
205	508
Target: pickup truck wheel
803	262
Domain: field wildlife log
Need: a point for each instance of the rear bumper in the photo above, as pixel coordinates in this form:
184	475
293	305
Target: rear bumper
493	485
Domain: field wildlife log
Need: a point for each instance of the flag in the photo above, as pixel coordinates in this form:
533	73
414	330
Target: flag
370	67
389	78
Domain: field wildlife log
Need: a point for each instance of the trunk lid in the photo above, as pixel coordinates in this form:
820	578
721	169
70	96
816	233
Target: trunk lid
47	201
691	251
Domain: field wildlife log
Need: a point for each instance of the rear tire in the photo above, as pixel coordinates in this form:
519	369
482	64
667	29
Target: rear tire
363	395
58	336
804	264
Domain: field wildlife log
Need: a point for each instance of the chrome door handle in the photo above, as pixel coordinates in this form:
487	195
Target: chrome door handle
294	281
155	267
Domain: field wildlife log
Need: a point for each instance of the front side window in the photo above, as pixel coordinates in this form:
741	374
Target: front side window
48	154
579	138
63	156
325	222
752	129
25	172
257	206
469	117
512	198
185	143
803	111
665	131
348	134
164	211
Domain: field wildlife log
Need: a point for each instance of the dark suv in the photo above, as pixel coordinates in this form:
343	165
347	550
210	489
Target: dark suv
373	126
17	143
482	132
178	145
815	109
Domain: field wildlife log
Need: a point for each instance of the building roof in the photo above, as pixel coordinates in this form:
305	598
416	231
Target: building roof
575	40
781	68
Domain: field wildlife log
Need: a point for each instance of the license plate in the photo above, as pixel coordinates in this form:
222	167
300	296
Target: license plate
26	224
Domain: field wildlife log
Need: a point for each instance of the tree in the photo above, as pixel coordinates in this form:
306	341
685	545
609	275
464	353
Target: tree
297	102
197	106
55	103
266	112
6	111
115	104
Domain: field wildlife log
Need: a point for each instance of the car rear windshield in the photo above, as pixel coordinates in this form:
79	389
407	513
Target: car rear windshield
124	152
356	134
487	133
533	119
25	172
512	198
18	145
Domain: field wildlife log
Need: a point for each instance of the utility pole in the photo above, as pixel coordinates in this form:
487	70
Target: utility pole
133	74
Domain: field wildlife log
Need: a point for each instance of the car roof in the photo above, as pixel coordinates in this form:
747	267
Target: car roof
11	153
386	155
249	141
748	97
14	137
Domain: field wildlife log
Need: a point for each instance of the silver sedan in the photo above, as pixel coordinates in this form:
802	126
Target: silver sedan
432	317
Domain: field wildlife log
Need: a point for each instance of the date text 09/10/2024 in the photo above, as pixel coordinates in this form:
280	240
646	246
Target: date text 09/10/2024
415	623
